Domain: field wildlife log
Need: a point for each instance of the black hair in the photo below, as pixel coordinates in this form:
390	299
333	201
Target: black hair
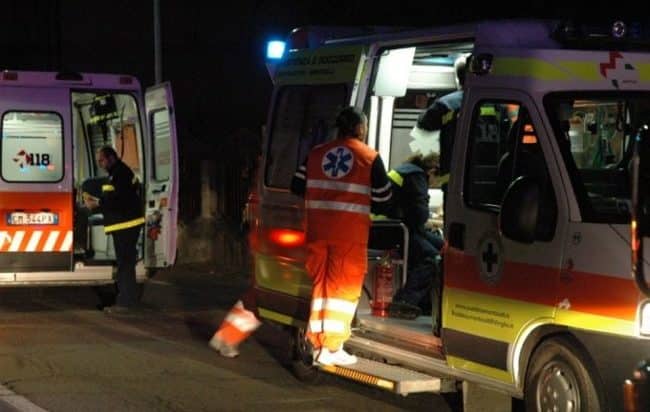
108	151
347	121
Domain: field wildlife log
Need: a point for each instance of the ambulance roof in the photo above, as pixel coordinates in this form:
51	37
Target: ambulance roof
506	33
68	79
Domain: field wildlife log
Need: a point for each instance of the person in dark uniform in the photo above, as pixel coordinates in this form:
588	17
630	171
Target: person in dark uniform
121	204
410	186
442	115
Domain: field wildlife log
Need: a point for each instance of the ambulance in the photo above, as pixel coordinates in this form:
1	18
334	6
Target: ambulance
51	125
539	306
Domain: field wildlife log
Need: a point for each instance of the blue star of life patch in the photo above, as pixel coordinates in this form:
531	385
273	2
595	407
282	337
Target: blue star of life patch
337	162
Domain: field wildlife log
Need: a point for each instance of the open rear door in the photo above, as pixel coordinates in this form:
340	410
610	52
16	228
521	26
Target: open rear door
161	209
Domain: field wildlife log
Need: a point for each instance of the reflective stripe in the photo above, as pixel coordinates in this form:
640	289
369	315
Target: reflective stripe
245	323
300	175
317	305
447	117
338	305
315	326
67	242
16	240
382	198
51	240
381	189
326	325
396	177
108	188
342	186
331	325
338	206
529	67
33	241
488	111
36	241
124	225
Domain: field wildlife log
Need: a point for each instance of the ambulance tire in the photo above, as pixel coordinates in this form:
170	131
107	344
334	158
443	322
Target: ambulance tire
558	367
302	364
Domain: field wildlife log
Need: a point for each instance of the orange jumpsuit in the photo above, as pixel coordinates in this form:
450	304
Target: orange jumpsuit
340	187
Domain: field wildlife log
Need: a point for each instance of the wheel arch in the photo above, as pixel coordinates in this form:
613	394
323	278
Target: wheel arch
564	335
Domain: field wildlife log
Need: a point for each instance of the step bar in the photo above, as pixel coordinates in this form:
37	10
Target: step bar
389	377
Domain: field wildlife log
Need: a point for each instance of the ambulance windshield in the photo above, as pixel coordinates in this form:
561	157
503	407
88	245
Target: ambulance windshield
595	131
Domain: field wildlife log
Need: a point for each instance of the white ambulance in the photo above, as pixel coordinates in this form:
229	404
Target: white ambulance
538	301
51	125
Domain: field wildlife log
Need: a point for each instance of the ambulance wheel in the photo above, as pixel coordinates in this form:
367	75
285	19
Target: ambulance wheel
559	379
302	362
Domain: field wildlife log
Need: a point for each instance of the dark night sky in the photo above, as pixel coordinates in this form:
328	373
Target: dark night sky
213	53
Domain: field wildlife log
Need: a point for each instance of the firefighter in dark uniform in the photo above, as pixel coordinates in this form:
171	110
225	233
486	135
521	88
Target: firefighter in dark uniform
121	204
442	115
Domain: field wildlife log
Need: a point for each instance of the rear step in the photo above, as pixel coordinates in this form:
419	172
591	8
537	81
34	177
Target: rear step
389	377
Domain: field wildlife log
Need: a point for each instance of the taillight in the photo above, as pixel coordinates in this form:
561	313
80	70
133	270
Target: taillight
7	75
287	237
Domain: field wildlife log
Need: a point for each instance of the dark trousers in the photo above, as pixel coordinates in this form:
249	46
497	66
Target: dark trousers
423	270
126	253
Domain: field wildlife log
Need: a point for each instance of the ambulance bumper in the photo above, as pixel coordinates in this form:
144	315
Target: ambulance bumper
615	358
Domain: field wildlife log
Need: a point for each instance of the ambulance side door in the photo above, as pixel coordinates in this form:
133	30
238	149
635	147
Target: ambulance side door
497	289
310	88
161	186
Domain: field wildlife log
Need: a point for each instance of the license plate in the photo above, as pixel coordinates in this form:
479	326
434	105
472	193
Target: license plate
32	218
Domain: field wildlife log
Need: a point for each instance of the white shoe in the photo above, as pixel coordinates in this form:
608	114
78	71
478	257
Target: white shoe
225	350
340	357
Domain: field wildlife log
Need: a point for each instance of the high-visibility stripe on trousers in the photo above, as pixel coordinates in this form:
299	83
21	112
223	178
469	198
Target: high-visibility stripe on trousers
337	271
239	324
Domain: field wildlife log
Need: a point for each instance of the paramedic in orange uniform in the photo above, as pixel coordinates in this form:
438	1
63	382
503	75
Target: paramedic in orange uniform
343	181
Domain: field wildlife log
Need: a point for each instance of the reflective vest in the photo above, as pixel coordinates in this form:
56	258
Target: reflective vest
338	191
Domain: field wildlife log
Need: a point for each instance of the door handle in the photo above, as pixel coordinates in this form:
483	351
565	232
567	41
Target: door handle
159	190
457	235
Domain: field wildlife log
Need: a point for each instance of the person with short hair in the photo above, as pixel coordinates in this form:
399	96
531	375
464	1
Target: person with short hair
343	181
122	208
411	205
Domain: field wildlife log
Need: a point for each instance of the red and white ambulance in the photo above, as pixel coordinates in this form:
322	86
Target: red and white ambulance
51	125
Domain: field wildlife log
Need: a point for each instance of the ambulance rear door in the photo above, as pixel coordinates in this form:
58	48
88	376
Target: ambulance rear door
35	182
161	186
310	88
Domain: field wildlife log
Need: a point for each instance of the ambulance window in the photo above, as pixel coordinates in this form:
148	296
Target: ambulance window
594	131
161	145
304	117
489	141
32	147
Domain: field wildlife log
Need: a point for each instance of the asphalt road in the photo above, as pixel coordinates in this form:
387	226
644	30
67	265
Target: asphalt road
58	352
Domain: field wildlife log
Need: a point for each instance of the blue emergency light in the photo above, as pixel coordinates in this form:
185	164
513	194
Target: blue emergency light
275	49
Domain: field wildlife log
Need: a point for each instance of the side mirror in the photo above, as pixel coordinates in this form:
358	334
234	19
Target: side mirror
520	210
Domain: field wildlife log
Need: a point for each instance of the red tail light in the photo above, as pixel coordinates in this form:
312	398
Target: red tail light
7	75
287	237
